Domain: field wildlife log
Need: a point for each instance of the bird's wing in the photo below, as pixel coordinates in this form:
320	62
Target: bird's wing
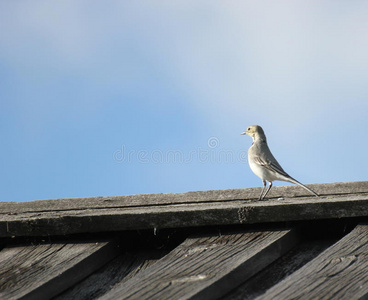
273	166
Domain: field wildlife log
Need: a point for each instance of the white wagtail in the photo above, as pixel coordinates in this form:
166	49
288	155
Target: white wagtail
263	164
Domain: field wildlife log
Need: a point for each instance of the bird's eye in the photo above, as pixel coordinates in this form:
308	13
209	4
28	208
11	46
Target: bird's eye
248	128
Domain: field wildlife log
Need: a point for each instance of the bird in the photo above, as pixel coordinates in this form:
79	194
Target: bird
263	163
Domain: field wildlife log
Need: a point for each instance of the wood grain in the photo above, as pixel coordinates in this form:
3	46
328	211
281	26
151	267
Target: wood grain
227	207
287	264
340	272
121	269
43	271
206	267
290	191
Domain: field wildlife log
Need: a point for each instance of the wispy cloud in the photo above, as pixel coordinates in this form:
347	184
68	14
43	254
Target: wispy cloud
284	60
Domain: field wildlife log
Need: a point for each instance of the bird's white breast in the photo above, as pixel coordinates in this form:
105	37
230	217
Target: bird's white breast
260	171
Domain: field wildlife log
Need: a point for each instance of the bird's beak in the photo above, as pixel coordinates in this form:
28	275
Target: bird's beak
243	133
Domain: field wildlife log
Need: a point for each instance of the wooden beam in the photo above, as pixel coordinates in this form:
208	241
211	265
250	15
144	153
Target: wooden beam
206	267
290	191
293	260
223	207
340	272
122	268
43	271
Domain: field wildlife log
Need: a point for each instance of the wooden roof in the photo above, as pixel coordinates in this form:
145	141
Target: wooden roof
196	245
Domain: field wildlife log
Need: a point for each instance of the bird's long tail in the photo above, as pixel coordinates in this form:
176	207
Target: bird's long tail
292	180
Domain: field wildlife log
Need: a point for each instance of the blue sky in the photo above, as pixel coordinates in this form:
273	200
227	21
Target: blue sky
128	97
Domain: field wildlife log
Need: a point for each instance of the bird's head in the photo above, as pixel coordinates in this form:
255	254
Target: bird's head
254	130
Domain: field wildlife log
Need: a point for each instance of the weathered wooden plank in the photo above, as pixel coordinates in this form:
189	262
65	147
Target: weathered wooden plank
206	267
340	272
284	266
132	201
182	215
43	271
121	269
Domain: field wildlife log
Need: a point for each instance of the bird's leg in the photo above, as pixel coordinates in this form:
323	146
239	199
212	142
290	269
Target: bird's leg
268	189
264	186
